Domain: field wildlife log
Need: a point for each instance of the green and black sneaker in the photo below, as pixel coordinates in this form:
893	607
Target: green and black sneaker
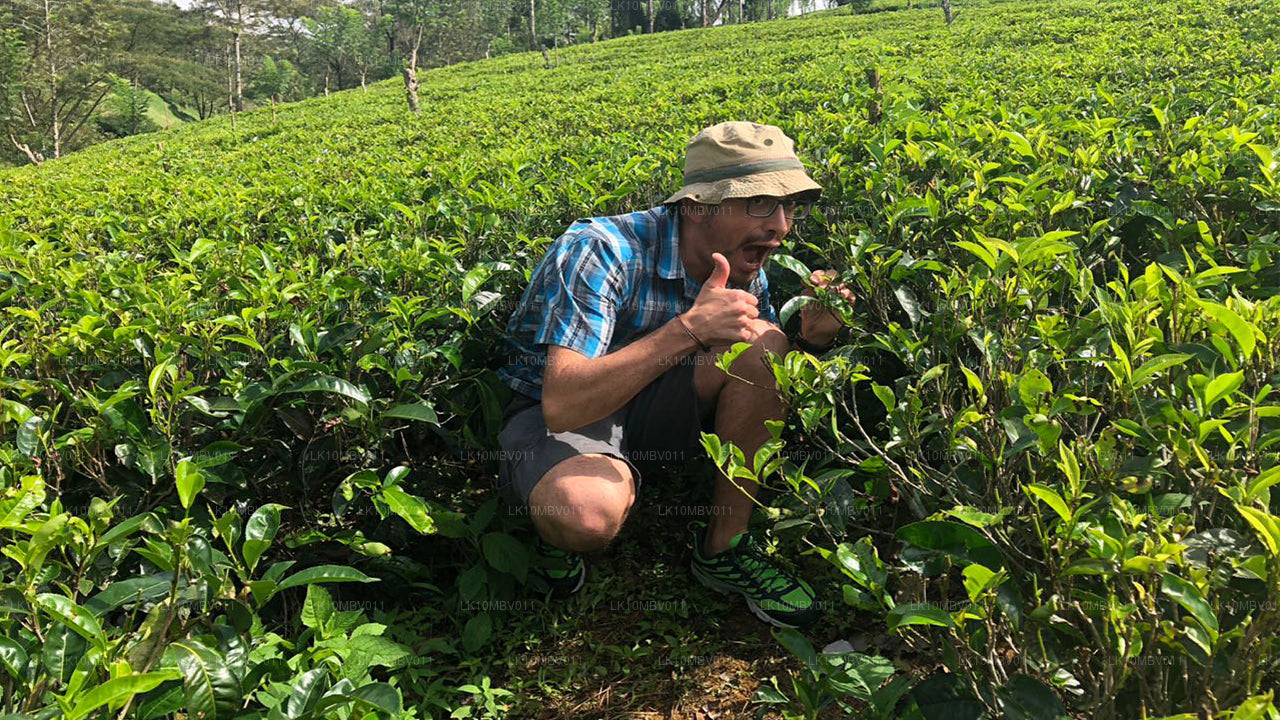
561	571
774	595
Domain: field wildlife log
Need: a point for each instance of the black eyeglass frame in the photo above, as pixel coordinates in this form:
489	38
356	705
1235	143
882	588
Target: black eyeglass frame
799	204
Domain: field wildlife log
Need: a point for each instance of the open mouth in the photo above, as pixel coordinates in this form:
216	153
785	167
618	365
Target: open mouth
754	256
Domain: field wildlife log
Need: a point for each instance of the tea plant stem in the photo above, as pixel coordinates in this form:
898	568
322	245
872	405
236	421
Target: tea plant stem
1106	694
36	693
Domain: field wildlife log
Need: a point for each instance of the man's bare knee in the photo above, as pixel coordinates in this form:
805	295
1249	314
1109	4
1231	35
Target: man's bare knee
751	364
581	503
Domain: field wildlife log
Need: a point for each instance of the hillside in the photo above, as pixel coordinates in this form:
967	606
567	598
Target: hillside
1041	460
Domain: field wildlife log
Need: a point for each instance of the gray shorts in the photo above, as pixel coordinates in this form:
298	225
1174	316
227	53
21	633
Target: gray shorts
662	423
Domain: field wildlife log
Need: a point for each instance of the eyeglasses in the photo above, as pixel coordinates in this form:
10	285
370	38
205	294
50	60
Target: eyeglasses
763	206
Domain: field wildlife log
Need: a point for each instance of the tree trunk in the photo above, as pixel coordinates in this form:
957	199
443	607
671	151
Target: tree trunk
239	84
326	83
231	90
946	11
56	125
411	75
719	11
742	11
35	157
649	14
533	26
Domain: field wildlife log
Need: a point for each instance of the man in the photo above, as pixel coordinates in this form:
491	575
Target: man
612	351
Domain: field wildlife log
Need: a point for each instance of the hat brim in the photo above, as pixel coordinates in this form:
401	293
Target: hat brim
779	183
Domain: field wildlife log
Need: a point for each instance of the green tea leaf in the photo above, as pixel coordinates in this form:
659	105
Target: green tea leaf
260	532
1051	498
957	541
135	589
1266	525
1190	598
801	270
422	411
29	436
62	650
322	574
308	688
29	498
211	689
917	614
1026	698
329	384
1236	325
117	690
14	657
317	608
412	508
190	481
380	696
1146	373
505	554
1220	387
73	616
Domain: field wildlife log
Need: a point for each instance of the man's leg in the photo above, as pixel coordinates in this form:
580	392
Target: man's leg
581	503
741	411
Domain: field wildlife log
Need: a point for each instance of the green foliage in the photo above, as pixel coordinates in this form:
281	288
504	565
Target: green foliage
275	81
274	343
126	112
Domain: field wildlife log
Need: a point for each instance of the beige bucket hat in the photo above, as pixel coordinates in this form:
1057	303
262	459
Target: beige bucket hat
742	159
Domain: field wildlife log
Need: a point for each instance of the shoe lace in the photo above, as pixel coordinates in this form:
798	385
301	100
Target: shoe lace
754	561
551	552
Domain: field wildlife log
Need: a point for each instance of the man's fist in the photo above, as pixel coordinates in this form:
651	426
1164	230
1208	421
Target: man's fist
723	316
819	325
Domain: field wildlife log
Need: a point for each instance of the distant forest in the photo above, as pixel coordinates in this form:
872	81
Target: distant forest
75	72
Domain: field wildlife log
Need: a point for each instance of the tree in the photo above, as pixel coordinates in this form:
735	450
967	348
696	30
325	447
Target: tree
435	22
238	17
12	59
274	81
60	79
333	32
127	110
172	52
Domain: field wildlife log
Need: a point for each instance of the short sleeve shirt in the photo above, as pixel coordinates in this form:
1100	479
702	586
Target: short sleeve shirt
603	284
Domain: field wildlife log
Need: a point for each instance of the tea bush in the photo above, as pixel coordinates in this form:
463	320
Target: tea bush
228	353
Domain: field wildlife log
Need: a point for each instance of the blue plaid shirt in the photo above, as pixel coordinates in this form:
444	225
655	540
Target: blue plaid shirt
603	284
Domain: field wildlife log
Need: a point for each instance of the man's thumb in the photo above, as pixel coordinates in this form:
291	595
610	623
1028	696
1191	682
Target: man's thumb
719	273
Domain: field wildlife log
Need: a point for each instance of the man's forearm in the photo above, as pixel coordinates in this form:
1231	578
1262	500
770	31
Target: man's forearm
596	388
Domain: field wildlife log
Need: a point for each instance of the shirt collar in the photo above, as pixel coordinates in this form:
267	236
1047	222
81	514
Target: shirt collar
669	264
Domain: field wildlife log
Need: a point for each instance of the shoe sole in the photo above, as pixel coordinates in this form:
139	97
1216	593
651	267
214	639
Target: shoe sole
727	589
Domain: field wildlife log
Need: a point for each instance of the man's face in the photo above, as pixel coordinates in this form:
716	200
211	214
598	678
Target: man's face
745	241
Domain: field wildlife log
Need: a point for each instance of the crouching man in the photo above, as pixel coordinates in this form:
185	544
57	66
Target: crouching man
613	348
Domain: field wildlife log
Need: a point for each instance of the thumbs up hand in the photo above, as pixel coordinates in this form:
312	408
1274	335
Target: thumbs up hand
723	316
